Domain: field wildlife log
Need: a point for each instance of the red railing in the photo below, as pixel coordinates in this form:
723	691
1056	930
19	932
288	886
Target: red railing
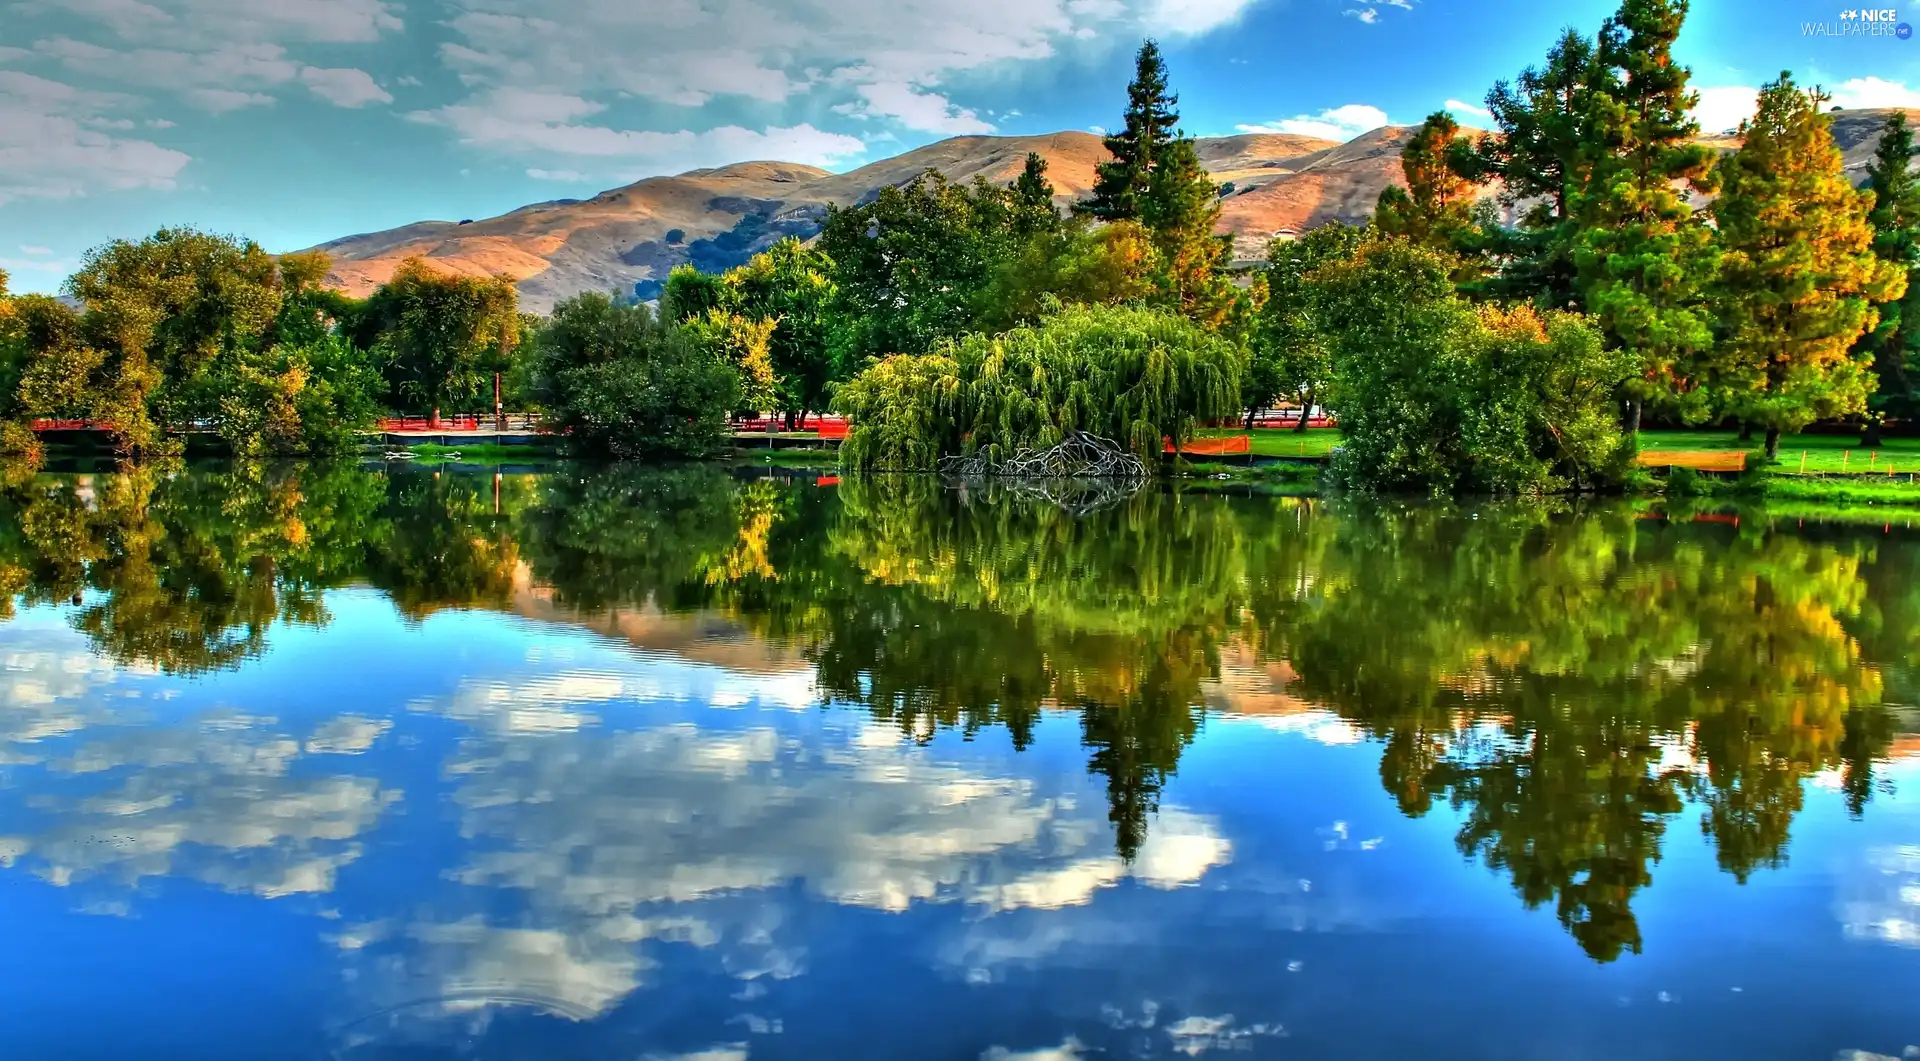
49	424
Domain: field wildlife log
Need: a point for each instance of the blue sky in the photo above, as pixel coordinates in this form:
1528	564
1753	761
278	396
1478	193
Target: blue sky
297	121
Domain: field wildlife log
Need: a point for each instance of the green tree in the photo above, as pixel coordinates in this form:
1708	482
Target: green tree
1123	184
745	344
166	314
1643	258
1033	208
1543	156
1181	209
791	285
1289	353
1435	396
1077	263
1435	209
1156	178
617	381
1896	240
690	293
1134	376
440	335
913	267
1799	277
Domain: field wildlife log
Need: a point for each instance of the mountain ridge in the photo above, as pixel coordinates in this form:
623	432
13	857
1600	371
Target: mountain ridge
627	239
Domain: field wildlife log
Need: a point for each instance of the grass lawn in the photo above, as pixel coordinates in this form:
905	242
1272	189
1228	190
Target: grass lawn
1824	453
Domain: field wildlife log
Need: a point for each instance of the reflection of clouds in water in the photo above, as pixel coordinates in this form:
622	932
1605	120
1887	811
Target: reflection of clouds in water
213	797
51	685
346	735
1321	727
602	834
1880	897
557	702
1068	1050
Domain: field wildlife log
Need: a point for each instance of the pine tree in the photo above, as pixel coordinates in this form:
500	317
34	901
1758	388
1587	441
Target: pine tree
1894	344
1435	209
1642	257
1799	276
1122	184
1032	197
1543	156
1180	210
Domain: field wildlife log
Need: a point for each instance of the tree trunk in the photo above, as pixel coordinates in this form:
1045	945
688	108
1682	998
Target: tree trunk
802	422
1306	407
1870	434
1746	432
435	422
1251	413
1773	443
1633	416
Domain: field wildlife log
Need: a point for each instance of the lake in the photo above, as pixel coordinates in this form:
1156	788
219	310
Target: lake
335	762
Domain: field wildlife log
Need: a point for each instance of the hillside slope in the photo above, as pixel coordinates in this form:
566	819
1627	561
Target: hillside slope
627	239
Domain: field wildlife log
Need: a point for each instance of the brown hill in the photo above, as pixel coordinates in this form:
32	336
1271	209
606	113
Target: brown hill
627	239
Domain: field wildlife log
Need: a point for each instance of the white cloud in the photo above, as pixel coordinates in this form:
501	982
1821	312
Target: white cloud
1724	107
1367	15
1404	5
926	112
344	87
407	80
1467	110
1193	17
48	151
193	22
549	122
222	100
27	249
1339	123
567	175
1860	92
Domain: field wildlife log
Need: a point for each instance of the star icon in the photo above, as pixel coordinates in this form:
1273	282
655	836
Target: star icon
1849	15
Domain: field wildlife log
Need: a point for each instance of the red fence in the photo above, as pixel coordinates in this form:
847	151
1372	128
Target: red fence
45	424
1214	447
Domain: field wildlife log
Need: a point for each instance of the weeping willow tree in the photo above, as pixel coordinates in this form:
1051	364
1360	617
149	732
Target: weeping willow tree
1133	376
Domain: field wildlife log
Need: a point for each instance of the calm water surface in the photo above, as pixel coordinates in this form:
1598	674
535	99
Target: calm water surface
617	763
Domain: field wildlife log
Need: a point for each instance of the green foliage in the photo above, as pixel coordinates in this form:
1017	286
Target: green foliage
1892	344
1074	263
1798	277
1543	156
619	382
1134	376
690	293
791	286
744	344
1436	396
912	266
1122	186
1435	209
440	336
1290	357
1643	259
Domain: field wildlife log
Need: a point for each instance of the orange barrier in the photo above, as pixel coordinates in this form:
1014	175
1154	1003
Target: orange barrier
1699	460
1214	447
831	428
48	424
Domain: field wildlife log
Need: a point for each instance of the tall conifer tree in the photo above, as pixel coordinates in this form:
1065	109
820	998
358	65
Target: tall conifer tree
1894	344
1642	257
1799	276
1149	126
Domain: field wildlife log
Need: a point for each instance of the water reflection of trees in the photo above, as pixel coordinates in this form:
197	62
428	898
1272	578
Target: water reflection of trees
1568	684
